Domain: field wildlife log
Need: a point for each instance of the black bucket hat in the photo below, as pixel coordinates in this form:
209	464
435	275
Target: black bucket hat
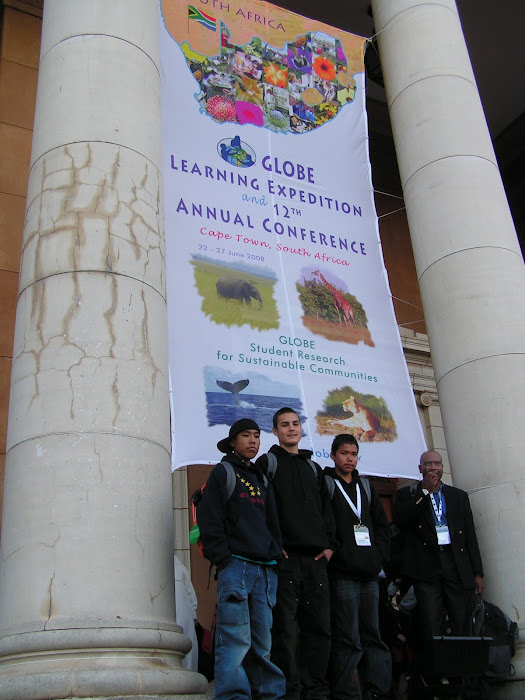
238	427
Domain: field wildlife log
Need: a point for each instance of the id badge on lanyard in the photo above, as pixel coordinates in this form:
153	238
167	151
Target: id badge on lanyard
362	536
443	535
361	532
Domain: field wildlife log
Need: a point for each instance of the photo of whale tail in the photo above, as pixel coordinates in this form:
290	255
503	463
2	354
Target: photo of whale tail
234	388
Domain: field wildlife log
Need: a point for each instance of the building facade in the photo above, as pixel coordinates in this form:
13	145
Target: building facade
87	578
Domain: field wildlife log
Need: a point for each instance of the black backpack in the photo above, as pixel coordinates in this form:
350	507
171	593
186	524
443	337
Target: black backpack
272	466
231	480
489	621
195	533
330	484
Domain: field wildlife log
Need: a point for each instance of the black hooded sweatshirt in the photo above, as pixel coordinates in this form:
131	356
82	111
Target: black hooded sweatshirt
245	524
303	502
350	561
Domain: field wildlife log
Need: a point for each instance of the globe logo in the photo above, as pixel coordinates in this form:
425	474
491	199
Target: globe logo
236	152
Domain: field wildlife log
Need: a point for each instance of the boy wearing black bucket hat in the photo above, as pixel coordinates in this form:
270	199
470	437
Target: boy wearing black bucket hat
241	536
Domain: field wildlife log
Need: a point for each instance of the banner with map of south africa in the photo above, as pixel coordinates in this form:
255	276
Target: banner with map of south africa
277	291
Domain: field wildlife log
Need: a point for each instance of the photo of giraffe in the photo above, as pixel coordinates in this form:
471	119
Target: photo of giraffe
365	416
331	311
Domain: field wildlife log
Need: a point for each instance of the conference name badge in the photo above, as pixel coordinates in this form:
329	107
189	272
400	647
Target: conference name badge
443	534
362	536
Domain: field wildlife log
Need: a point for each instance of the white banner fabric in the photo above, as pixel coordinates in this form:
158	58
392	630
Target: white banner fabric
277	290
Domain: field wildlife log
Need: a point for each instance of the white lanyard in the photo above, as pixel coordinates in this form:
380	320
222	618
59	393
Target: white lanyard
437	511
357	510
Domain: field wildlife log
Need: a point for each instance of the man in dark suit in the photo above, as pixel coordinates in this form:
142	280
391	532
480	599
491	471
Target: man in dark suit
440	552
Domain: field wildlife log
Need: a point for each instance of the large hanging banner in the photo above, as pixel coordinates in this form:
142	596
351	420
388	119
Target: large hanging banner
277	291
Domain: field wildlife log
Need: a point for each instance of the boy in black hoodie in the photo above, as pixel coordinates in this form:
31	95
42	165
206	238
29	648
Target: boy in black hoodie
240	535
362	545
301	619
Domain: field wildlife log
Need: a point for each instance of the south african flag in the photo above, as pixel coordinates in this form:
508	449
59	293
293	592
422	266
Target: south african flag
202	18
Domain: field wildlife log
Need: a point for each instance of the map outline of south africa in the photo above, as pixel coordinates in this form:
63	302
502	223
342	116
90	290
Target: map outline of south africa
294	90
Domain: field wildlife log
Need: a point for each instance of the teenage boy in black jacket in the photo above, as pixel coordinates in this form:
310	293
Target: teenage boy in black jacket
240	535
362	545
301	619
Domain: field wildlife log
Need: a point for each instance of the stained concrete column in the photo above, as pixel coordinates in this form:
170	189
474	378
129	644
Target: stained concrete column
86	593
470	272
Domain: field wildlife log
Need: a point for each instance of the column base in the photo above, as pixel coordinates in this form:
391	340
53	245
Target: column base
140	664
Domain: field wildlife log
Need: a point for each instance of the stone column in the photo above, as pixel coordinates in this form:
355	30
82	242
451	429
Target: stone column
470	271
86	594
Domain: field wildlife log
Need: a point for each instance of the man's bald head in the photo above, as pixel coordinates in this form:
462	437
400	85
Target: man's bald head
430	462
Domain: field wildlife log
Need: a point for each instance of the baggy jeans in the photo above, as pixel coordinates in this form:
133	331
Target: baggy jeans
246	595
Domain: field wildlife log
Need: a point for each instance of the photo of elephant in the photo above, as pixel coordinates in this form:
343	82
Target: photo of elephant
228	292
238	288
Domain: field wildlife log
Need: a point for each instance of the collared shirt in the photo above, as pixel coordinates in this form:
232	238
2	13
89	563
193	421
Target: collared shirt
439	502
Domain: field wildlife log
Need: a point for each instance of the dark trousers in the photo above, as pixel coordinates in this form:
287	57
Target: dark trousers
301	626
445	593
355	631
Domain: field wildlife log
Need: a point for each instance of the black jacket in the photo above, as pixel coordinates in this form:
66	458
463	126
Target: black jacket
420	556
303	502
350	561
245	524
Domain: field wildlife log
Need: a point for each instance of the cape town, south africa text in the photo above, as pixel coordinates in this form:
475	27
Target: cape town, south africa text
295	359
288	230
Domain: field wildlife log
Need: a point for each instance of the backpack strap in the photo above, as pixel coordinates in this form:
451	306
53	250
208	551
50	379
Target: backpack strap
231	478
366	485
272	465
314	467
330	484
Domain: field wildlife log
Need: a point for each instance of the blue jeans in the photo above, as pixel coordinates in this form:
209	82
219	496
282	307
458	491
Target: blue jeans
246	595
355	632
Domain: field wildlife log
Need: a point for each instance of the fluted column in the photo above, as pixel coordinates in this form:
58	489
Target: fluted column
470	272
86	593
